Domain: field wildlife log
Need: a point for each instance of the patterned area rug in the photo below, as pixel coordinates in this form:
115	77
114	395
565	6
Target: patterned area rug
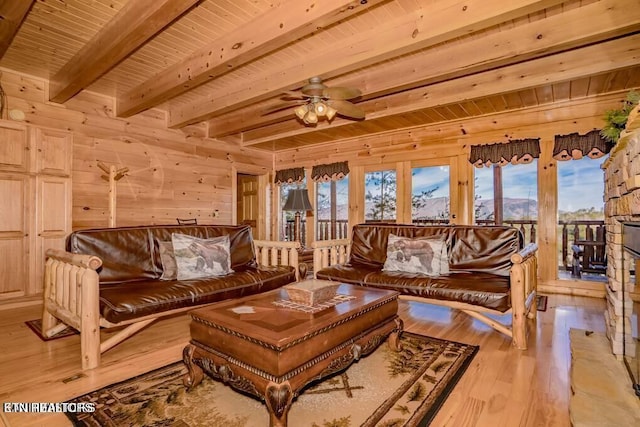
385	388
36	326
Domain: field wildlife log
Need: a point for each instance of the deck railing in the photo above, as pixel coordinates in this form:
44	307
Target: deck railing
586	238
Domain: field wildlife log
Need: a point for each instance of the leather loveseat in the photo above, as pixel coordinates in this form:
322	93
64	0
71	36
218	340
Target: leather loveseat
491	271
113	277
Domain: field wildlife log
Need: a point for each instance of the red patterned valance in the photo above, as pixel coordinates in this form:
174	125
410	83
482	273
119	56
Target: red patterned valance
289	176
575	146
515	152
330	172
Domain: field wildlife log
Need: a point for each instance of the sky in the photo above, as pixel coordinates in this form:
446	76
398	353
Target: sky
580	183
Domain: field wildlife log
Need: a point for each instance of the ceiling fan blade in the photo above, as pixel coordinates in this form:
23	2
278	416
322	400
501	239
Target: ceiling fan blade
339	93
283	106
348	109
292	94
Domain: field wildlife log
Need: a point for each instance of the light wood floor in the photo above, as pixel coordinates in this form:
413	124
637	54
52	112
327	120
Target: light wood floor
502	387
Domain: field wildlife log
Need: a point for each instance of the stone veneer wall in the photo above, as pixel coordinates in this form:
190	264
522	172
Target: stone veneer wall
622	203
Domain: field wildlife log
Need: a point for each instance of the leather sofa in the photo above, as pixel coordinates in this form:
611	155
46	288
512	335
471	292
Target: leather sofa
112	277
491	271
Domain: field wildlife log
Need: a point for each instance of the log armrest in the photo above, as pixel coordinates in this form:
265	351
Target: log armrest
272	252
71	292
329	252
524	284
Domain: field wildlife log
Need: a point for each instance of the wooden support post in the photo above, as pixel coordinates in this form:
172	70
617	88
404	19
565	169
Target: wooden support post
497	195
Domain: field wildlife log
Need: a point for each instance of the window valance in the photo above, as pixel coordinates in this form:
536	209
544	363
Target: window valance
575	146
330	172
289	176
517	151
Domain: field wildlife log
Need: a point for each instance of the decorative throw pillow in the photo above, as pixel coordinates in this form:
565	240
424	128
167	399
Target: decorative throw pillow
197	258
169	266
426	255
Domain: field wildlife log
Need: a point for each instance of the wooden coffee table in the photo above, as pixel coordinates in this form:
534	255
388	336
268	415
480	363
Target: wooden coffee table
272	352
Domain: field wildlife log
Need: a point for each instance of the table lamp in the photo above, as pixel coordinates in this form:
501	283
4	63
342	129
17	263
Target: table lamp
298	201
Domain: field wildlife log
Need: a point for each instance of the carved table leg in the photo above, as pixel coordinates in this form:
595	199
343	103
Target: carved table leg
394	337
278	398
194	374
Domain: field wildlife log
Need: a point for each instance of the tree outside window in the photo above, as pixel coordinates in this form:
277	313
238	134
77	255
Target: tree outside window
380	195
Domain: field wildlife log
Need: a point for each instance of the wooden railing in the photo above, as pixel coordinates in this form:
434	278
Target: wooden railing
324	230
583	237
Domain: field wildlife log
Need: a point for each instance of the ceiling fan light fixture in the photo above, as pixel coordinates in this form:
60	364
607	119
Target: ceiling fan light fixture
311	117
321	108
301	111
331	112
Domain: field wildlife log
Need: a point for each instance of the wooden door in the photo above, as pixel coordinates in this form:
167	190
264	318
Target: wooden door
15	191
248	201
53	221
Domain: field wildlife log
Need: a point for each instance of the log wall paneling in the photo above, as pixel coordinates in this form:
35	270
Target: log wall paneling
172	174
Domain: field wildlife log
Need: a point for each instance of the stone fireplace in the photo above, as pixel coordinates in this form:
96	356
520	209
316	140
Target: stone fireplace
622	205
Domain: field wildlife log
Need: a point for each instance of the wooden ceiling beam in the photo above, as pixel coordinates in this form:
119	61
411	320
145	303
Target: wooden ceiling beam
283	24
579	63
12	13
539	38
415	30
133	25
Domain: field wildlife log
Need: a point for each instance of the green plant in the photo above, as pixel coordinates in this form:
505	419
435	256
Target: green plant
616	119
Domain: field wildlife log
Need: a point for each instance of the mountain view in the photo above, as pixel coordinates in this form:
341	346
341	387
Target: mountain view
437	207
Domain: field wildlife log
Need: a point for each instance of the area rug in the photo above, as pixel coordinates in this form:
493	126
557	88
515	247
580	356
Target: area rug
541	302
36	326
385	388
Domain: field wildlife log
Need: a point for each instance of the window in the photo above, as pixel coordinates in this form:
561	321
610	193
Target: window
332	209
380	196
508	195
287	219
430	201
581	219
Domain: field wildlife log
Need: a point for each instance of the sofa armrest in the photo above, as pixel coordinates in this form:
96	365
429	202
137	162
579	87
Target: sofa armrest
329	252
273	252
524	284
71	292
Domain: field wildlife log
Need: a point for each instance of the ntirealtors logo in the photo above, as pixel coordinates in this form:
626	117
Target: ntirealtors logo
49	407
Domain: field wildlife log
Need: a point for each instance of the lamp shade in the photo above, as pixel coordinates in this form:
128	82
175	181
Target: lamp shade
298	200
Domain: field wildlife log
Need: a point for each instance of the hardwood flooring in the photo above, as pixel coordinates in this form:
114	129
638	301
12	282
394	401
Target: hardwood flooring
502	387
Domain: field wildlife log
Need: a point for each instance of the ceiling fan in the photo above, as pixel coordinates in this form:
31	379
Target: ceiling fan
316	100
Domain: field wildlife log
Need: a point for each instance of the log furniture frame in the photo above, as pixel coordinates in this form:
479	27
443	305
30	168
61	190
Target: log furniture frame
71	297
523	279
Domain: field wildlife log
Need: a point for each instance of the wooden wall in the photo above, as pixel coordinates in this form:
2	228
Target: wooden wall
449	143
172	173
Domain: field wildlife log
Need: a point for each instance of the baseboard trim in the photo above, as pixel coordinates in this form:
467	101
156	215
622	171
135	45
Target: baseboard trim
20	303
581	288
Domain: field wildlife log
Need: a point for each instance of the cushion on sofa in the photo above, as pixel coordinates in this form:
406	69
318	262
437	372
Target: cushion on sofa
133	254
471	247
126	301
482	289
168	259
198	258
421	255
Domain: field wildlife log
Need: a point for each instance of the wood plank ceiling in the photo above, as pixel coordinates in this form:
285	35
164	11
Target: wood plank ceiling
225	62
